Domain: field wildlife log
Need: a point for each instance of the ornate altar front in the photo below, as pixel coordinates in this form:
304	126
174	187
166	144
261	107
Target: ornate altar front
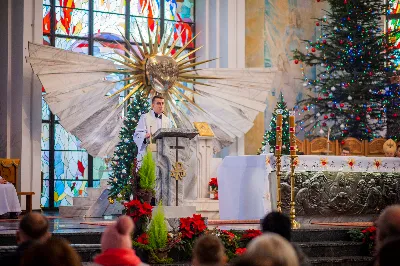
341	185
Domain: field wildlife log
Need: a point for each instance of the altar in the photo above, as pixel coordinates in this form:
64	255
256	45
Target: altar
324	185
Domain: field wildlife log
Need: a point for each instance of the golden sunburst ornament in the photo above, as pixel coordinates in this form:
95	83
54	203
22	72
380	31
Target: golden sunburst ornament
154	69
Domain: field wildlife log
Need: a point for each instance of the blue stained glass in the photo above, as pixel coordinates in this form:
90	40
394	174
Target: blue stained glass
179	10
64	191
46	40
45	110
78	46
141	24
71	165
65	140
46	2
100	168
44	200
45	145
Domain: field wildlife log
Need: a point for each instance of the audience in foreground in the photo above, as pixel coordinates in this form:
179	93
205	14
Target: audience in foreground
276	222
54	252
208	251
272	246
33	228
116	245
387	225
389	252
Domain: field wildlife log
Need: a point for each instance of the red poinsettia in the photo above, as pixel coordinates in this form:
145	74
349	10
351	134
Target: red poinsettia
213	183
240	251
230	235
143	239
251	233
192	226
137	209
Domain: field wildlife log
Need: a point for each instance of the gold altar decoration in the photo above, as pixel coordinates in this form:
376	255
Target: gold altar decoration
278	154
204	129
293	156
156	68
178	171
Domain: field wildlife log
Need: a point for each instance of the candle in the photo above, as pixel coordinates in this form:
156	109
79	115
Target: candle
278	145
292	131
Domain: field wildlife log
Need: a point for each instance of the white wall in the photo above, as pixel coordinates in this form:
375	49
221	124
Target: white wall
222	27
20	101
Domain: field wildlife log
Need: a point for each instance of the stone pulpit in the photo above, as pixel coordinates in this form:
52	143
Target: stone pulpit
172	159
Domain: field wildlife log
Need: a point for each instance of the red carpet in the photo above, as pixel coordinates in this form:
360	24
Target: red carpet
350	224
220	222
100	223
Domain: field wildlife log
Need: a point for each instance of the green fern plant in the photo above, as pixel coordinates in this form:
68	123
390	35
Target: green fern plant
158	230
147	172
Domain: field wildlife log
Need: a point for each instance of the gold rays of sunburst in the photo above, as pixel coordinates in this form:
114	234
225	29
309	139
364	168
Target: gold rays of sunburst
153	69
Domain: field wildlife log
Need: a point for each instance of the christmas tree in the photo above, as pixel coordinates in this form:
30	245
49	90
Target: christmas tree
270	135
353	61
123	161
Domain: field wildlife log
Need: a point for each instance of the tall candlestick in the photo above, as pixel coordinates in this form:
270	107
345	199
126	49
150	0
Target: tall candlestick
278	154
292	140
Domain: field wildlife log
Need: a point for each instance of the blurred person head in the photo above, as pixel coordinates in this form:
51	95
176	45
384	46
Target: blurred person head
276	222
389	252
388	224
398	151
54	252
33	227
275	247
345	151
118	235
208	250
261	260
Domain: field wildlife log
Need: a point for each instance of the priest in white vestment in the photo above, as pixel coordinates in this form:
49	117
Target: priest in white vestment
148	124
9	203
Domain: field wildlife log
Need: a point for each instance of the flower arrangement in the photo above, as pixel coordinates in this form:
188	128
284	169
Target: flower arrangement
138	210
213	188
192	226
367	236
213	184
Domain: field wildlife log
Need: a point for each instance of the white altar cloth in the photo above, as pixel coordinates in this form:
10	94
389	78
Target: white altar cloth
8	199
244	187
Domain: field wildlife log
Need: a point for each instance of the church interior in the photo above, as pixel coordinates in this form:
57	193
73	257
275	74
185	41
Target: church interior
199	132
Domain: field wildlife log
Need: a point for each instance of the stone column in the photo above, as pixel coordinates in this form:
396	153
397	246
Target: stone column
204	157
20	101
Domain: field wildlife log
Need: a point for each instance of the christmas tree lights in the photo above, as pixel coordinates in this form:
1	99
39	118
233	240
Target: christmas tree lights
354	62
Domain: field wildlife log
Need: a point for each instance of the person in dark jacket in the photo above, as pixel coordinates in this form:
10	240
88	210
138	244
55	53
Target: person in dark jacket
33	228
278	223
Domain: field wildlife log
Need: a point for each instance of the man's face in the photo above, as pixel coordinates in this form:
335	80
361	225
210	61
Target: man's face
158	106
345	153
389	154
398	152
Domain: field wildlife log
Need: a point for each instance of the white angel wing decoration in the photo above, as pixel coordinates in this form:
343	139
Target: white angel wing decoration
77	87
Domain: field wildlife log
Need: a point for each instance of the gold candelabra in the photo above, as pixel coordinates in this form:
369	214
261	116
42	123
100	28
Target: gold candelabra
278	154
293	155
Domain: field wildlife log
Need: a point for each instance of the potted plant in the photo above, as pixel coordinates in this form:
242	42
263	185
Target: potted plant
213	188
140	213
147	178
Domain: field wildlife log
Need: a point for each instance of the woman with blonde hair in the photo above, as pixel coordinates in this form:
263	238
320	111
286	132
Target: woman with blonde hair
275	247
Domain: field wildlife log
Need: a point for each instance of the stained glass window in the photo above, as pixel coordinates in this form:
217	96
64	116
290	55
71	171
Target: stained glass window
393	24
94	27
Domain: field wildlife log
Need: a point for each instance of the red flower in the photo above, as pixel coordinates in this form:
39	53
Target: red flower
251	233
192	226
240	251
230	235
143	239
136	209
213	183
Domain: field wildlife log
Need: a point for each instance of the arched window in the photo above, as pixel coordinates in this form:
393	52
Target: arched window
92	27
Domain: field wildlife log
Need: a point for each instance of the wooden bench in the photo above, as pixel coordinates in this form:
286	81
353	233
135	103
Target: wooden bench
9	171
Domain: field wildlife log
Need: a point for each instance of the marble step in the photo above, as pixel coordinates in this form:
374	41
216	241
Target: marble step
341	261
206	207
331	249
73	211
94	193
320	234
82	201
